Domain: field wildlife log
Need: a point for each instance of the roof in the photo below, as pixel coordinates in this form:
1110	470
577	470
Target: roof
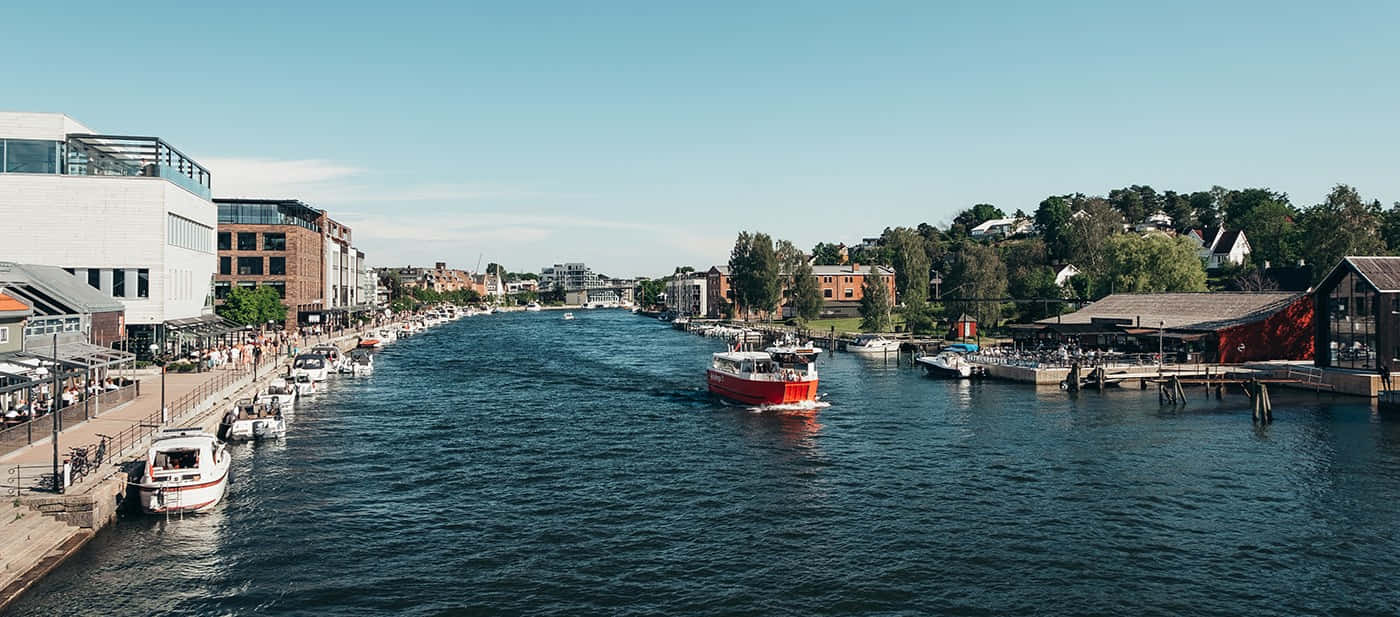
1382	272
1182	311
10	307
851	269
744	355
51	290
990	223
1227	242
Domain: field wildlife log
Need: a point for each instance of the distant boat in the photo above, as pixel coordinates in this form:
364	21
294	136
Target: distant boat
253	418
533	307
568	316
946	364
873	344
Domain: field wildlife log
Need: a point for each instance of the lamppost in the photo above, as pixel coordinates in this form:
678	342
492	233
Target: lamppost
1161	333
159	359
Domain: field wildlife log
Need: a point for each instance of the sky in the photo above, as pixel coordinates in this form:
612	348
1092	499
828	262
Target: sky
640	136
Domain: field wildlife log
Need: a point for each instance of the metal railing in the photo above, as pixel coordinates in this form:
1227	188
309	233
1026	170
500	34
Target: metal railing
20	435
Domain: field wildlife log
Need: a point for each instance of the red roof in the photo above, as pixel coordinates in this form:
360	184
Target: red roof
8	304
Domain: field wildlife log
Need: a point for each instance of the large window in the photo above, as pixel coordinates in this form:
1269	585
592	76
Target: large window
275	242
280	286
247	241
143	283
1352	323
29	156
276	265
188	234
225	241
250	265
225	265
95	278
119	283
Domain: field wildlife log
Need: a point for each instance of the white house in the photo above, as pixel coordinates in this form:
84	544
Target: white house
1219	247
688	294
1066	273
1002	228
1158	221
131	216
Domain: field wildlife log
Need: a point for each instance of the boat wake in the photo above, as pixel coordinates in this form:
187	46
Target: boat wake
798	406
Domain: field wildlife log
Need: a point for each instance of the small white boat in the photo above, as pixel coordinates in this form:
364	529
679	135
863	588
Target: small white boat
186	471
305	385
280	392
568	316
251	419
946	364
533	307
313	365
362	363
873	344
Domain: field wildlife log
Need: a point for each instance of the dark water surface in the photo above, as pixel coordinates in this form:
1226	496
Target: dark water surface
523	465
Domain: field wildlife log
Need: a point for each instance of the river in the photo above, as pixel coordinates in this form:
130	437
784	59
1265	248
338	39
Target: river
519	464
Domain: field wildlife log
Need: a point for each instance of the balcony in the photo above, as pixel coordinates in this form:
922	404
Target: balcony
120	155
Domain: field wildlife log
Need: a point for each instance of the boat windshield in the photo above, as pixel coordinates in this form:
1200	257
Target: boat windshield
182	458
310	362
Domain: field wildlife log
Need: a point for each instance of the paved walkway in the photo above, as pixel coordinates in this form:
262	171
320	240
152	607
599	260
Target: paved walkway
113	422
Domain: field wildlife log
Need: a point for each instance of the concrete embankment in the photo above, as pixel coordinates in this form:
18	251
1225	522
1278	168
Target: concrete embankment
39	531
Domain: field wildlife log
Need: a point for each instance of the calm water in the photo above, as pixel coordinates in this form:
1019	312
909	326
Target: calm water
519	464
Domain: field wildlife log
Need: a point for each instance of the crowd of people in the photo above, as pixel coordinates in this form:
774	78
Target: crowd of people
25	405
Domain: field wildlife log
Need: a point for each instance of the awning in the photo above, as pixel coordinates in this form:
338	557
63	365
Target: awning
200	327
74	354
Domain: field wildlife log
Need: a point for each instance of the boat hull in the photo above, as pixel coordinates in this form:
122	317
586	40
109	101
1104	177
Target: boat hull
262	428
161	499
939	370
756	392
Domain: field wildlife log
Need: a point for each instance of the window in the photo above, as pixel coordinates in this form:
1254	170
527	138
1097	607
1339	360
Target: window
225	265
28	156
850	293
826	279
95	278
280	286
4	335
188	234
249	265
143	283
248	285
275	242
276	265
848	279
119	283
826	293
225	241
247	241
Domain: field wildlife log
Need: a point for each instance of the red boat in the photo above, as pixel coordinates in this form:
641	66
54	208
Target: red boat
763	378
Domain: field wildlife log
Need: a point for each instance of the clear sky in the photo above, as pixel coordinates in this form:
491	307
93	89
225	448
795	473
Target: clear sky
637	136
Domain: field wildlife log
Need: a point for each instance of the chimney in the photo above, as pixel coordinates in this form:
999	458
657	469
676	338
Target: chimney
855	267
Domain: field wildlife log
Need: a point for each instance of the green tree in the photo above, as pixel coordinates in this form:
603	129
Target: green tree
252	307
977	280
1205	210
803	293
1052	218
911	264
875	302
1268	222
1179	207
1152	264
1341	225
1135	202
824	254
976	215
1390	228
650	290
1089	234
753	274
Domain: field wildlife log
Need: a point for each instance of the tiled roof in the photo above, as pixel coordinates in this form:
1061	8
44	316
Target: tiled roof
11	305
1182	311
1227	242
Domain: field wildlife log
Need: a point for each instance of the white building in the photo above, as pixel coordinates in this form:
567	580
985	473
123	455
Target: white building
1002	228
688	294
131	216
1219	247
571	276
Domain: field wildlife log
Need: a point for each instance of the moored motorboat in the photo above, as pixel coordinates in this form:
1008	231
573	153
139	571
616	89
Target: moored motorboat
533	307
253	419
305	385
568	316
186	471
873	344
361	362
280	392
763	378
313	365
946	364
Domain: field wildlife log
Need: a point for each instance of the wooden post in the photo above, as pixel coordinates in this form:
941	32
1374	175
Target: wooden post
1073	378
1266	404
1101	378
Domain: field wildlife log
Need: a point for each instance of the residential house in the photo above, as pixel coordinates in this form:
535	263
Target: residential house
1002	228
1219	247
841	287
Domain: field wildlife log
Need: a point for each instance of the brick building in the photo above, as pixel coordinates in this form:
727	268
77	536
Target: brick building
280	243
842	288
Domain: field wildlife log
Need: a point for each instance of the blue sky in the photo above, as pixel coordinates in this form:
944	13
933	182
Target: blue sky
638	136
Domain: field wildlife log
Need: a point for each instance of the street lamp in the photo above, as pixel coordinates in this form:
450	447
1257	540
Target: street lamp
1161	333
159	359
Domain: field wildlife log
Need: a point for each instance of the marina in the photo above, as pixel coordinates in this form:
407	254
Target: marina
927	485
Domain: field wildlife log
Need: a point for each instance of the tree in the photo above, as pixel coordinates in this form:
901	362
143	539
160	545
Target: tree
753	273
1052	218
1152	264
804	295
391	281
650	290
824	254
1089	234
1135	202
976	215
529	276
684	269
978	280
1390	227
911	264
1341	225
252	307
1179	207
1206	211
875	302
1267	220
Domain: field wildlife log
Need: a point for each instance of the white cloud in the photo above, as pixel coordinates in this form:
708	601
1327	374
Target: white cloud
322	182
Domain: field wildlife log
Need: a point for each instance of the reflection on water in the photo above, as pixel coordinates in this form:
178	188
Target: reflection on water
519	464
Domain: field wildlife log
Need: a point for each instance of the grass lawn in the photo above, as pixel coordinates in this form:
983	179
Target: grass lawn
844	324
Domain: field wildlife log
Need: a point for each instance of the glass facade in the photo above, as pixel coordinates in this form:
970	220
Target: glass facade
270	213
119	283
221	289
29	156
114	155
1352	323
143	283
